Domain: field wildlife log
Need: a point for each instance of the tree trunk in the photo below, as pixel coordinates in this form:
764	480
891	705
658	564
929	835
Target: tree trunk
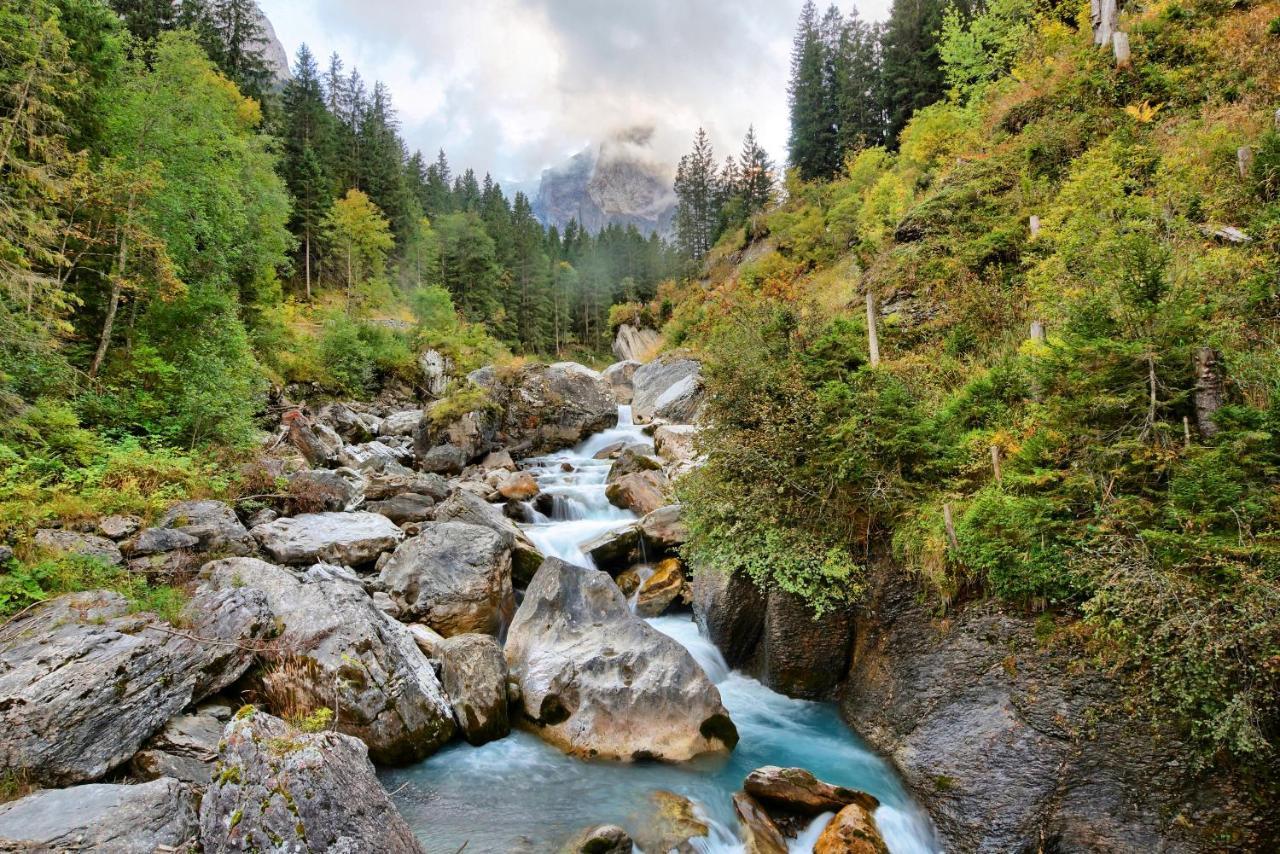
995	463
1120	43
1211	389
122	259
1103	15
1244	160
306	262
873	337
1037	331
949	521
349	254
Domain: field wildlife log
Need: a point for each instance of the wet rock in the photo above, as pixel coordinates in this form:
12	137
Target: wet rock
443	459
760	835
619	375
185	750
653	381
730	611
280	789
601	839
467	507
62	542
852	831
408	507
663	531
611	451
155	541
518	487
642	492
598	681
661	589
632	460
214	525
633	342
803	656
350	539
797	790
325	490
118	527
474	673
347	653
84	682
119	819
628	581
453	576
400	423
669	823
520	512
614	551
435	368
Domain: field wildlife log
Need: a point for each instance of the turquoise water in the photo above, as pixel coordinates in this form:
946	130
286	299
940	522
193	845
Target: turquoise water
520	794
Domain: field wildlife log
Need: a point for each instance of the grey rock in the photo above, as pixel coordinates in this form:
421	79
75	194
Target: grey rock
389	484
74	543
614	551
154	541
443	459
632	460
214	525
555	406
351	539
83	682
632	342
640	492
674	443
354	656
185	750
619	375
346	422
325	490
797	790
730	611
435	368
596	680
117	527
663	531
282	790
166	567
319	443
102	817
401	423
474	432
601	839
453	576
802	655
261	517
373	456
498	460
464	506
407	507
474	673
653	381
6	555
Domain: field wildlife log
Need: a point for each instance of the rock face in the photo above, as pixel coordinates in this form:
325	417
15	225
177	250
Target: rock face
83	683
213	524
185	750
852	831
631	343
464	506
663	531
119	819
730	611
453	576
446	459
1011	747
641	492
74	543
279	789
801	656
674	443
435	369
618	375
597	681
668	387
400	423
475	677
549	407
346	652
350	539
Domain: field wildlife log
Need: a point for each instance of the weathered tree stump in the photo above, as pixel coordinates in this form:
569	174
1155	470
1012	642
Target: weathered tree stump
1104	15
1244	160
873	336
1120	43
1211	390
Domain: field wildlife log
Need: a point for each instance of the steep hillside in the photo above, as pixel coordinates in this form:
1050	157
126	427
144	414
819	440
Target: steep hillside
1072	417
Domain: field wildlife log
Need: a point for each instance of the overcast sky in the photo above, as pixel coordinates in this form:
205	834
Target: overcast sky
512	86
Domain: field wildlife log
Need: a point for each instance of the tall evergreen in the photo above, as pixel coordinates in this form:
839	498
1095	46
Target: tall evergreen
307	137
856	86
755	171
911	71
812	135
696	189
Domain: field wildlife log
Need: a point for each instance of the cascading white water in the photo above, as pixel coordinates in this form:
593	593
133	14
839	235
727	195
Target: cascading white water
521	794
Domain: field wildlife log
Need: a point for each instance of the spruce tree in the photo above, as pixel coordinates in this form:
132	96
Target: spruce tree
696	188
911	74
755	171
812	134
307	137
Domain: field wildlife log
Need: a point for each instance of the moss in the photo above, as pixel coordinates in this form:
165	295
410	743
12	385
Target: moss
236	817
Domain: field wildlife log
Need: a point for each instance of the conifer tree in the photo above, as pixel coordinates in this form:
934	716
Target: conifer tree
812	134
696	189
912	75
307	131
755	170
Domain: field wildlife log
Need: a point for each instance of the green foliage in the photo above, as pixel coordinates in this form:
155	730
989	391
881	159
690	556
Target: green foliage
355	355
25	584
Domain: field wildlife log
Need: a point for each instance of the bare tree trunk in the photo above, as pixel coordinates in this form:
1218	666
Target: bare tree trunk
122	259
873	336
349	254
306	263
995	463
1211	389
1244	160
1103	15
1037	331
950	523
1152	402
1120	43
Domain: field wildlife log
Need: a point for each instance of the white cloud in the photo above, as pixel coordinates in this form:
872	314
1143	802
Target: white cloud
512	86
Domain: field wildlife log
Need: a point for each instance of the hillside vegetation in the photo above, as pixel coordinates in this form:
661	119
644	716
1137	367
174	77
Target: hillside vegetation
1089	471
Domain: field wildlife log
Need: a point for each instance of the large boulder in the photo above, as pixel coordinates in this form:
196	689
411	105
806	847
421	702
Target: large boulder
599	839
681	376
760	835
474	432
674	444
282	790
464	506
549	407
406	507
632	342
453	576
350	539
598	681
159	541
318	443
853	830
798	791
350	425
84	682
661	588
59	542
390	483
214	525
400	423
345	653
103	817
435	367
619	375
632	460
613	551
663	531
444	459
185	750
640	492
373	456
518	486
729	609
325	490
474	673
803	655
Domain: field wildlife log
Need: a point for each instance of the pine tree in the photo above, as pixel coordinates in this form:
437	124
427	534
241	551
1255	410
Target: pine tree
382	160
696	189
237	45
911	70
861	119
812	134
307	135
147	19
755	171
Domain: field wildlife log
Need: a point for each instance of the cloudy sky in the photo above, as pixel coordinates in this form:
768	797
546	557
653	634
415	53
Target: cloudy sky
513	86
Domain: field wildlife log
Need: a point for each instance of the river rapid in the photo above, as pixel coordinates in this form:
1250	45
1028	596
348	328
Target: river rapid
521	794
